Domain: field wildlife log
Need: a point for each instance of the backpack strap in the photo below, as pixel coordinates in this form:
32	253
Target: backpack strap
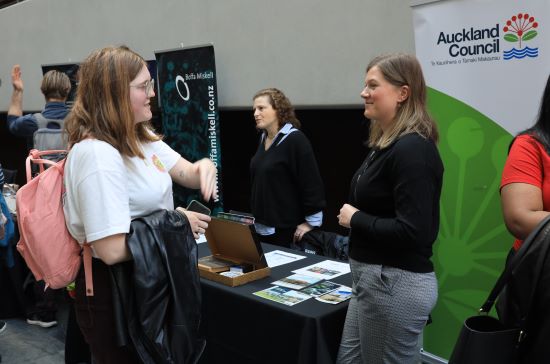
35	156
87	258
514	262
43	121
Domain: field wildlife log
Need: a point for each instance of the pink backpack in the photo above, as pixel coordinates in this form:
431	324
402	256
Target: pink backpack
49	250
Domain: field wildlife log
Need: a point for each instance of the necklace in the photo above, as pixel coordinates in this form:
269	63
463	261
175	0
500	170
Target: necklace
366	165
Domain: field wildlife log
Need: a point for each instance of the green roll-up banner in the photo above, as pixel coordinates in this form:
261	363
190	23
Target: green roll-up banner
486	63
189	106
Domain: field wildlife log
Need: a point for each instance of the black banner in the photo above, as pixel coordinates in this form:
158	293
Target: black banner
189	106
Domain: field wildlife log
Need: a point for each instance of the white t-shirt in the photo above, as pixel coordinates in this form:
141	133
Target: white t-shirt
105	191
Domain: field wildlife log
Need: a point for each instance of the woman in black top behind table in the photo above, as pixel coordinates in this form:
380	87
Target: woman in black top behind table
287	195
393	213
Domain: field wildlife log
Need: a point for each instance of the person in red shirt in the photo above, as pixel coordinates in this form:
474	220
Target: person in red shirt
525	196
525	184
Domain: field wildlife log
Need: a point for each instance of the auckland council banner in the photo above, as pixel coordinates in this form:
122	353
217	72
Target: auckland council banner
486	63
189	107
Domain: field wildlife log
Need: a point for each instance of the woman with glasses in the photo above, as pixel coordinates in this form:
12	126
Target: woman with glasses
287	195
118	169
393	213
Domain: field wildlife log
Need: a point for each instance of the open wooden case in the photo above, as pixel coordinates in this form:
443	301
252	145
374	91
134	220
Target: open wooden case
234	242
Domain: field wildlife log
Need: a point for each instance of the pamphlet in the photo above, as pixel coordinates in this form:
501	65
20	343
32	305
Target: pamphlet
338	295
327	269
283	295
276	258
320	288
296	281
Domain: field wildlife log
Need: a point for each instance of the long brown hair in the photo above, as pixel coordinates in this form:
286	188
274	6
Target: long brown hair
102	108
411	115
282	106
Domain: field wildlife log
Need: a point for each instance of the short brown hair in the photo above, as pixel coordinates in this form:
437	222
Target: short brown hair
102	108
55	85
282	106
411	116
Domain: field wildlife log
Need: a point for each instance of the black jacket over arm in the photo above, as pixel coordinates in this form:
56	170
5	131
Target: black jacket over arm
157	295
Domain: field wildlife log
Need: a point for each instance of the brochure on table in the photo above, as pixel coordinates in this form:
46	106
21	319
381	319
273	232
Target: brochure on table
283	295
321	288
327	269
332	293
296	281
335	297
276	258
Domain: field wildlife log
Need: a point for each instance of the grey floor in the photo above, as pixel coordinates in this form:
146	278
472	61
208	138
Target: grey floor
30	344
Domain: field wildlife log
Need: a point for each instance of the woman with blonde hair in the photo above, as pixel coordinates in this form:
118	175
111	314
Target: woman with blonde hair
393	213
118	169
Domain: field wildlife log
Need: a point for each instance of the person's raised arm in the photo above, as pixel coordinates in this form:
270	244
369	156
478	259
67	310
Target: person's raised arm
16	103
522	208
201	174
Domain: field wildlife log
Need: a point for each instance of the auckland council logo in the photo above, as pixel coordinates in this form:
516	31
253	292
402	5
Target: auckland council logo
520	28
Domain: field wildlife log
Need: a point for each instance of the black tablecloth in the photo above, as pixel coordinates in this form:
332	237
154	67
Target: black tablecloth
243	328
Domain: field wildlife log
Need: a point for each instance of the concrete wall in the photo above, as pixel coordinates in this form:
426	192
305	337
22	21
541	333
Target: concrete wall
316	51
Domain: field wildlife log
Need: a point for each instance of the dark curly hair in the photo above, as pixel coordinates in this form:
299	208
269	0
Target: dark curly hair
282	106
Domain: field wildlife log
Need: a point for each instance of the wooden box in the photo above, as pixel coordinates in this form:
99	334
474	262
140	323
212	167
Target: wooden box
234	242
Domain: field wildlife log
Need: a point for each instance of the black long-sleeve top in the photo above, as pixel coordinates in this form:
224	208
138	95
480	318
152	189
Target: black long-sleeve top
397	192
286	184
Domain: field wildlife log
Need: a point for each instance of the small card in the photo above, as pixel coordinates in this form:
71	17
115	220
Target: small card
335	297
283	295
231	274
327	269
296	281
320	288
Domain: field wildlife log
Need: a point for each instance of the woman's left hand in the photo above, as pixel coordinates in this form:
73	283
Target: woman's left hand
197	221
209	183
346	212
300	231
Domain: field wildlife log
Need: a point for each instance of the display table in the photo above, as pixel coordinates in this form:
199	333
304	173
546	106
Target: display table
243	328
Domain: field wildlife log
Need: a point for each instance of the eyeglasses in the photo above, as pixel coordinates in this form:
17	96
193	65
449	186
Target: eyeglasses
146	86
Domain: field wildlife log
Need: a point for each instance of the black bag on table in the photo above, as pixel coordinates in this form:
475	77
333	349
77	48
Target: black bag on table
485	339
324	243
